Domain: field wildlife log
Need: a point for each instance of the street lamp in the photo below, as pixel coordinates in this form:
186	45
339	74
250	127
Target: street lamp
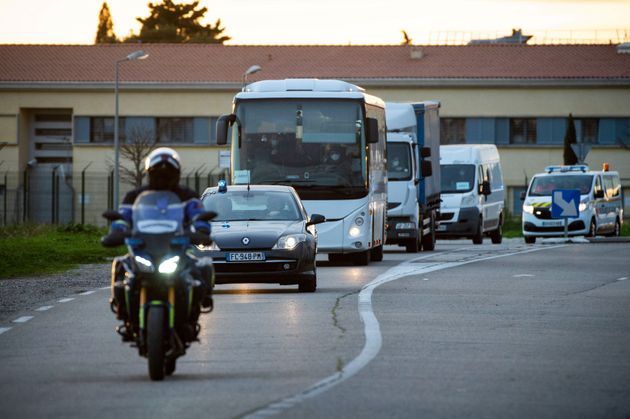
253	69
137	55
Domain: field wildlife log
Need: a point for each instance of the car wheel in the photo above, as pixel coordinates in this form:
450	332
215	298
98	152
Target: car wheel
592	230
530	239
497	235
308	284
478	237
377	253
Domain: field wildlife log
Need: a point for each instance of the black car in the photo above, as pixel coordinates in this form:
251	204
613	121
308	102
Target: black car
262	234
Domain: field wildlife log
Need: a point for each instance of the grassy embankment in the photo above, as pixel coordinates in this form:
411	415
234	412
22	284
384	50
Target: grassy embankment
27	250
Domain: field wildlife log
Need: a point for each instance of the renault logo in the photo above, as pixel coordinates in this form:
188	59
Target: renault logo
245	241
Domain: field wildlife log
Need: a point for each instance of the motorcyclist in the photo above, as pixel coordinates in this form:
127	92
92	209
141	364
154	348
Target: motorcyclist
163	169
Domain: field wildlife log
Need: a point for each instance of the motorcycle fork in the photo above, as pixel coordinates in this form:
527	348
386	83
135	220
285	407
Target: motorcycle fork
144	306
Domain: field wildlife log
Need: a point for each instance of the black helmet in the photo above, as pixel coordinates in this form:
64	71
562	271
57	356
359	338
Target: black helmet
163	167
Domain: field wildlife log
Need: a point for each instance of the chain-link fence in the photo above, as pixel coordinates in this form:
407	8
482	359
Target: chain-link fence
55	197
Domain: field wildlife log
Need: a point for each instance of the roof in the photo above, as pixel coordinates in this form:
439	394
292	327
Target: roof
252	187
214	64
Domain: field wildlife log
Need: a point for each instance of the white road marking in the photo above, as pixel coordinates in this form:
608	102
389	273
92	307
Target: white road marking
373	338
523	275
425	279
623	278
87	292
105	288
4	329
23	319
44	308
65	300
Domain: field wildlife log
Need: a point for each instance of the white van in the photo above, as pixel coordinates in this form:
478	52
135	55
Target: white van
600	208
473	195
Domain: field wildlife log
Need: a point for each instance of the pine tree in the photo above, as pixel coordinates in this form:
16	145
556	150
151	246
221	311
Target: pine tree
406	39
105	30
569	138
178	23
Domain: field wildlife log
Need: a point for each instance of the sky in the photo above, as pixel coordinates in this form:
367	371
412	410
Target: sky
339	22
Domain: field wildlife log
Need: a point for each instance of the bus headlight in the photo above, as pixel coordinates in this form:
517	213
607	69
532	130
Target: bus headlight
169	265
528	209
358	221
354	231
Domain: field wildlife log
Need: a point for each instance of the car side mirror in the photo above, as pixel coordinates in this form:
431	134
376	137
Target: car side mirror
425	168
599	194
223	123
522	195
316	219
484	188
371	130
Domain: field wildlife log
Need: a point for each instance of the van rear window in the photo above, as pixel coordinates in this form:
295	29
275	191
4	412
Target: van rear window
544	185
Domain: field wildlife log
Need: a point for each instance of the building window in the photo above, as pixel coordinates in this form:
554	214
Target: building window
589	130
452	130
523	131
102	129
175	130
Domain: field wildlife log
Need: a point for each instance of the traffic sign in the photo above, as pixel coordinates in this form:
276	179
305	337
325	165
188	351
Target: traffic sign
565	203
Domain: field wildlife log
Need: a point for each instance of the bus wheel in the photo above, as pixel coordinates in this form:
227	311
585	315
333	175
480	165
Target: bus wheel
377	253
361	258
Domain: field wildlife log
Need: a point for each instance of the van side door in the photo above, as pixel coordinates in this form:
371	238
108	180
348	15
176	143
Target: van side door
601	217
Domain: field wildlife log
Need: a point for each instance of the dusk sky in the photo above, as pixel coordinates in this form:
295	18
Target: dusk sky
332	21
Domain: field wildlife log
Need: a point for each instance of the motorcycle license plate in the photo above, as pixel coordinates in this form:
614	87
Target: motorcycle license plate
245	257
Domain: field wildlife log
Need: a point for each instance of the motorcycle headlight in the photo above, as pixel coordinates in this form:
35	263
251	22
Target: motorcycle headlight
168	266
144	264
289	242
528	209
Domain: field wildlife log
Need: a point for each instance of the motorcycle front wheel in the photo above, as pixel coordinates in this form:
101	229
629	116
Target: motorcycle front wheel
155	342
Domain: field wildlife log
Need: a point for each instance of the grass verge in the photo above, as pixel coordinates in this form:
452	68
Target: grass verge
32	250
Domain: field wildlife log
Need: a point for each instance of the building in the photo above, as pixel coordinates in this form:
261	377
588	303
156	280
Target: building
57	107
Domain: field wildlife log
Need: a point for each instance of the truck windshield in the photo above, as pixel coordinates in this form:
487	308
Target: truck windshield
399	161
310	144
544	185
457	178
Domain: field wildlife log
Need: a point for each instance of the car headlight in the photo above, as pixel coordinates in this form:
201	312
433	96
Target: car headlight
528	209
169	265
289	241
144	264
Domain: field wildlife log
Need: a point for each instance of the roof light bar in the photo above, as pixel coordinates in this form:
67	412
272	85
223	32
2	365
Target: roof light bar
562	169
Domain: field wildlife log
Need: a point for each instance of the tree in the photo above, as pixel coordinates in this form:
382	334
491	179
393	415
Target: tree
105	30
140	143
178	23
569	138
406	39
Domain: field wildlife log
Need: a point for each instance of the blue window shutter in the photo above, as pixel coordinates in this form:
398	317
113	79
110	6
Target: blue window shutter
201	130
622	128
81	129
559	128
480	130
502	130
606	131
544	130
140	124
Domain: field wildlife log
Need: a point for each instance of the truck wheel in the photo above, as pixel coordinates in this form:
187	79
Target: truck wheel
377	253
412	246
497	235
530	239
428	242
478	237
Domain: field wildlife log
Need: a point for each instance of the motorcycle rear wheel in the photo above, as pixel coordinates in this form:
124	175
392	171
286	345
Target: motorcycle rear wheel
155	342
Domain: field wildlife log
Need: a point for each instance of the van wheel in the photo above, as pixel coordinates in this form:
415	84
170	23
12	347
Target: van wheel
497	235
530	239
617	231
592	230
478	237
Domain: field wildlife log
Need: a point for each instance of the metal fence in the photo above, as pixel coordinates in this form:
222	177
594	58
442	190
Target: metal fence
54	197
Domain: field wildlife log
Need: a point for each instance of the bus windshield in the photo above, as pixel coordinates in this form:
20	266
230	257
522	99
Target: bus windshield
399	161
544	185
305	143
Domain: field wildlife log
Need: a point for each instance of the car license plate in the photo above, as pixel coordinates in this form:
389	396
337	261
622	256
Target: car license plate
552	223
245	257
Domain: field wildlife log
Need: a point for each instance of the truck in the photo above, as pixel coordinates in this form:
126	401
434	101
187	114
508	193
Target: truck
413	172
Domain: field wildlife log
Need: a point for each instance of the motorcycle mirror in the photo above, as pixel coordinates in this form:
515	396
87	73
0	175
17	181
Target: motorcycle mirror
112	215
205	216
113	239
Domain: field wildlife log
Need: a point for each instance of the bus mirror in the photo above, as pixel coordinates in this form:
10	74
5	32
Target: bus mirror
426	168
223	123
425	152
371	130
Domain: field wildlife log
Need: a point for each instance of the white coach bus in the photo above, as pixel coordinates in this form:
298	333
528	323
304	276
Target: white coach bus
325	138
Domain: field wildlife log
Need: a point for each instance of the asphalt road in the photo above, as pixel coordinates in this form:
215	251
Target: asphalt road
465	331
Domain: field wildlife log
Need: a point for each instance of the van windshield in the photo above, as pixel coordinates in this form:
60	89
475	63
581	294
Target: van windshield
544	185
457	178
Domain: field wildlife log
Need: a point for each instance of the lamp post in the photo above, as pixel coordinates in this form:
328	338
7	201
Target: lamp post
137	55
253	69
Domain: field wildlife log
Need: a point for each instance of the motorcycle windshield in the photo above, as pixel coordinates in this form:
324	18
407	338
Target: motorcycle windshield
158	212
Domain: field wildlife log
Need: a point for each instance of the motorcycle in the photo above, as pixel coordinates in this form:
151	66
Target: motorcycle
162	297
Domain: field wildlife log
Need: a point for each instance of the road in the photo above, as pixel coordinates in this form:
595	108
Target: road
478	331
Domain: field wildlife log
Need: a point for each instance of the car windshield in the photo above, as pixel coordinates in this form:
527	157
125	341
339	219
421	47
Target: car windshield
252	206
457	178
544	185
398	161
